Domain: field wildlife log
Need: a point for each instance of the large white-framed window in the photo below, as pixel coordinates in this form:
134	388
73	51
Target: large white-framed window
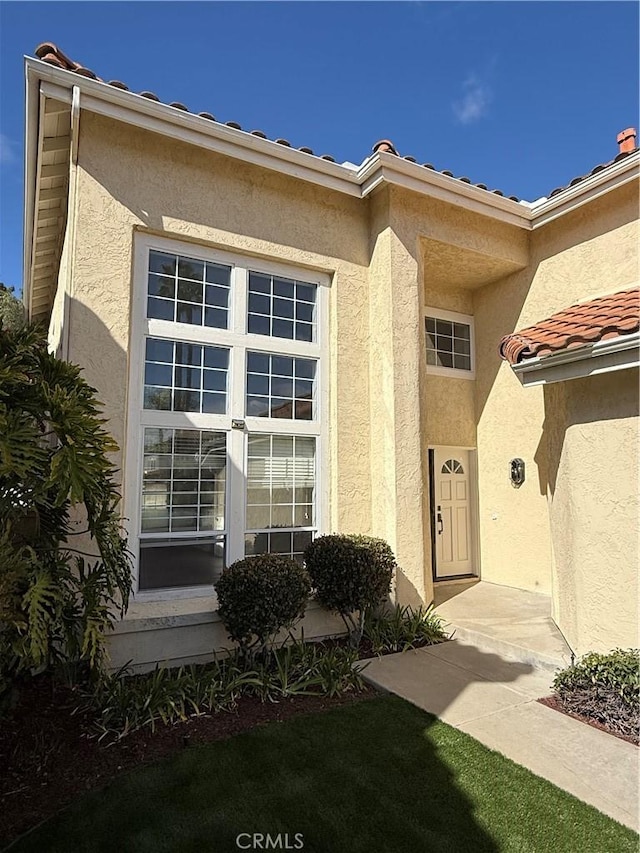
450	345
227	412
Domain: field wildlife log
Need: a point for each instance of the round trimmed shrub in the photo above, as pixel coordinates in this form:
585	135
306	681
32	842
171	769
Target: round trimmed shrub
260	595
350	573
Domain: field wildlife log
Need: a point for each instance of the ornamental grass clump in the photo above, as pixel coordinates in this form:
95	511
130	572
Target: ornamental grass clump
260	596
604	688
351	575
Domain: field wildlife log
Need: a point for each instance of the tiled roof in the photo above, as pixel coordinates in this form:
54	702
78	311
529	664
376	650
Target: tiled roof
585	323
50	53
594	171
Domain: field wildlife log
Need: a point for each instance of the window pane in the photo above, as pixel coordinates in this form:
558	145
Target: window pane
283	308
444	327
257	407
258	325
216	357
190	268
462	362
304	332
430	325
445	359
160	309
461	330
190	354
218	274
186	381
167	563
259	303
282	365
282	329
190	291
286	390
186	487
218	296
288	304
306	292
160	285
158	350
259	283
186	401
215	380
214	404
162	262
280	492
157	398
258	363
284	287
188	313
257	384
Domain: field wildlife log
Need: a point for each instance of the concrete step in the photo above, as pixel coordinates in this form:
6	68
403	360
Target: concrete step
550	659
513	623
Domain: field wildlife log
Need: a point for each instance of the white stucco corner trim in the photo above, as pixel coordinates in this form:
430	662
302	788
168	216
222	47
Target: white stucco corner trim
606	356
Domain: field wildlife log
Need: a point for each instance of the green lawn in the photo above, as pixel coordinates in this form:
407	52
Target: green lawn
378	776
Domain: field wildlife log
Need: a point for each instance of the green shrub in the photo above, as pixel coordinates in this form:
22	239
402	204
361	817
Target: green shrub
258	596
604	687
618	670
403	628
120	704
56	605
351	575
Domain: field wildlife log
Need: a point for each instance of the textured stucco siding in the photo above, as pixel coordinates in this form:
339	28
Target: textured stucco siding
592	434
589	252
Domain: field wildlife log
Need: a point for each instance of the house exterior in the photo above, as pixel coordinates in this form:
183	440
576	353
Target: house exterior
287	346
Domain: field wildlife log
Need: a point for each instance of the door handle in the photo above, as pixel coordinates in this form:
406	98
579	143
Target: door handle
439	520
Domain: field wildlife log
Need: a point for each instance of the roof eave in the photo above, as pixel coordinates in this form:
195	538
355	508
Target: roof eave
619	353
588	189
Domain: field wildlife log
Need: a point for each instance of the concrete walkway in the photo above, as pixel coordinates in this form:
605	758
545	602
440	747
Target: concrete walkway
510	622
493	699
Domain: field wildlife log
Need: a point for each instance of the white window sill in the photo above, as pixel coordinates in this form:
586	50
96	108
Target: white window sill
451	372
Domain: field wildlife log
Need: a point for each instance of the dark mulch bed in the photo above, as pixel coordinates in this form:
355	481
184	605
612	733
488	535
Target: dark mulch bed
553	702
47	761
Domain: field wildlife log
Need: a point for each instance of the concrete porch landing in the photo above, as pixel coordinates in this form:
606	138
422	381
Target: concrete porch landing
512	623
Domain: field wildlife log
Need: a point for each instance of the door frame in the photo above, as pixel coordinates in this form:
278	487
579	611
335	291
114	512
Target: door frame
473	509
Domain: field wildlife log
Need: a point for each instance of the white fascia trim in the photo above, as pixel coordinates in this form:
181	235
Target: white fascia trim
618	174
389	168
360	182
169	121
32	106
601	357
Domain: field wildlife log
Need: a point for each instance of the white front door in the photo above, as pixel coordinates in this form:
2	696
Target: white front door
453	528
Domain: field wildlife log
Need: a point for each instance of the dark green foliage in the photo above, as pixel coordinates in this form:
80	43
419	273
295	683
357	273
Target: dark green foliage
56	600
258	596
604	687
12	314
403	628
120	704
377	776
351	575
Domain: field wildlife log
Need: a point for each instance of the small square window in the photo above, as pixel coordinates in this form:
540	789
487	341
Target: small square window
448	345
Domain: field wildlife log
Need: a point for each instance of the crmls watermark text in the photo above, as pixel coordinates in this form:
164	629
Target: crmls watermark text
259	841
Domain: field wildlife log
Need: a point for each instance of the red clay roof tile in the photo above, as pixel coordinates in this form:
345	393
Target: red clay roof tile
49	52
587	322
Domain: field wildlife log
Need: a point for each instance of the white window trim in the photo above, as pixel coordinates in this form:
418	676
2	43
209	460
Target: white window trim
238	342
454	317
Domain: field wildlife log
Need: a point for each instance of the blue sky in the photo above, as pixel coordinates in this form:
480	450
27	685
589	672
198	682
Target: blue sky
521	96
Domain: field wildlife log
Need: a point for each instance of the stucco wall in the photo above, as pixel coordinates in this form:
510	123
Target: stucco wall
591	429
591	251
